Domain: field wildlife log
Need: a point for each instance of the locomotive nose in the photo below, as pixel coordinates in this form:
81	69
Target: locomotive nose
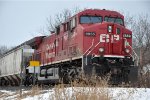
106	39
111	38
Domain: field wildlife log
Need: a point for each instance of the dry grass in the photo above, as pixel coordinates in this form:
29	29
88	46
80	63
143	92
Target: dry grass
87	89
84	90
35	90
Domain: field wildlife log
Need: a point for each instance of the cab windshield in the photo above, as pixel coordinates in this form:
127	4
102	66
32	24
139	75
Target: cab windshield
90	19
114	20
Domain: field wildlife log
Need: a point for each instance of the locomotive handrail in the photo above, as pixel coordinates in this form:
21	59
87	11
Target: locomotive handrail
93	48
88	50
91	51
136	56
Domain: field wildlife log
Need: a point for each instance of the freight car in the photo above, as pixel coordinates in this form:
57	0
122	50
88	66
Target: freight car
10	66
92	42
14	62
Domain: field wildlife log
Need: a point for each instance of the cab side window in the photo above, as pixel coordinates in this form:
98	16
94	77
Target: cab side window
70	25
73	22
57	30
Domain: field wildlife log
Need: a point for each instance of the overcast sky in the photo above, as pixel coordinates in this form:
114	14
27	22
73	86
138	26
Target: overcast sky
24	19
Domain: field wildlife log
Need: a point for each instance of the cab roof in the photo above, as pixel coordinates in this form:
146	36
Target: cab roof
100	12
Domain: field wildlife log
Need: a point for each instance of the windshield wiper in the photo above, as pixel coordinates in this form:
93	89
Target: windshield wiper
108	18
89	18
115	19
98	18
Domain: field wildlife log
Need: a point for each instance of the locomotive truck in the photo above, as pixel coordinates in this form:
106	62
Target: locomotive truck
92	42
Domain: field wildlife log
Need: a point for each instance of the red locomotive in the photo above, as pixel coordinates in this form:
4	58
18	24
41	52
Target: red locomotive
90	42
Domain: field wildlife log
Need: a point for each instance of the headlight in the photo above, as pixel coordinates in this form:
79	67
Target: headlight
101	49
127	50
109	28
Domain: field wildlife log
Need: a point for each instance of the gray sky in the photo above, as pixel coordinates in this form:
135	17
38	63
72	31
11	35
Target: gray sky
24	19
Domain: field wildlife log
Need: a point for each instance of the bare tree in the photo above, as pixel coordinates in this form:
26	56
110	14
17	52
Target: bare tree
141	36
3	49
129	20
61	17
140	27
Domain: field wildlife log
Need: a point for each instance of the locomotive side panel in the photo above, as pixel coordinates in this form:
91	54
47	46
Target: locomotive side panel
62	47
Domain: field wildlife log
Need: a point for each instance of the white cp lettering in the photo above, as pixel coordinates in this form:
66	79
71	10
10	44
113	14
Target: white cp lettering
107	38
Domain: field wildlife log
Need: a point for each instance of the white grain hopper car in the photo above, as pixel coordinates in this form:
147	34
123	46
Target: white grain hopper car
11	64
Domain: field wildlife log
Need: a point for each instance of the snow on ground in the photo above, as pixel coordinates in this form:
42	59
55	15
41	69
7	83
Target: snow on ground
130	93
72	92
